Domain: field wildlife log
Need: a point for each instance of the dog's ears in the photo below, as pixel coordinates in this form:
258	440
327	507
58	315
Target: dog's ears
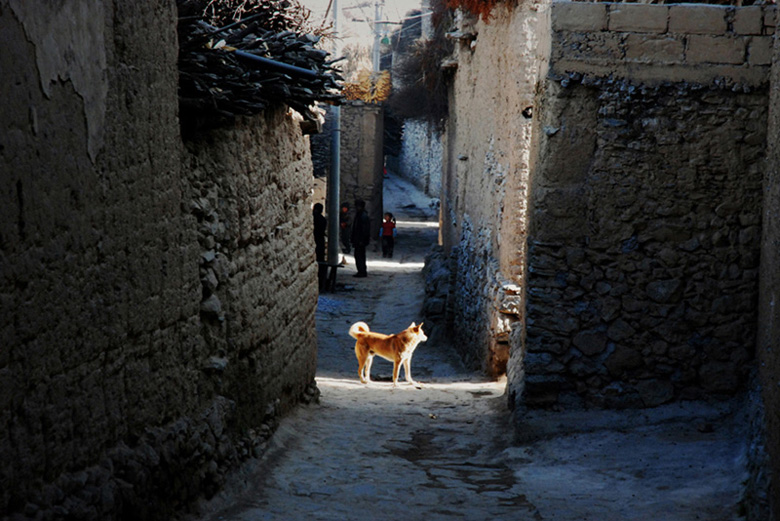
413	325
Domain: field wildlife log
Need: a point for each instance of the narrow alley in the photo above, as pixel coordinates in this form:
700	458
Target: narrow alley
600	210
447	451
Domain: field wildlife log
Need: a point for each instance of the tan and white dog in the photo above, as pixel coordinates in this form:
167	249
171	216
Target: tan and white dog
397	348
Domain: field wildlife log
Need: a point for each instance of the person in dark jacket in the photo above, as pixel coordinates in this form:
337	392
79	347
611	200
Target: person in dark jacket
320	226
360	237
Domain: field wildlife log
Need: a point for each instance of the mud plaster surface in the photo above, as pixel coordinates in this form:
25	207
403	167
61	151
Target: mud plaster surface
447	451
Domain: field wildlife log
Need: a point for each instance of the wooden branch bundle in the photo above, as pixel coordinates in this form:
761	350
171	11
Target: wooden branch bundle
243	67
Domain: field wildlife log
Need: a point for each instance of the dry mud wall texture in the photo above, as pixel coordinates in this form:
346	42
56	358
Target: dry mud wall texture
645	235
119	391
485	172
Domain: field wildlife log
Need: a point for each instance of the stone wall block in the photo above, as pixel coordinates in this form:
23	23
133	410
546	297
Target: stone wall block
652	49
770	18
620	331
597	47
748	20
542	363
697	19
591	342
638	18
580	16
715	49
584	367
622	360
760	50
664	291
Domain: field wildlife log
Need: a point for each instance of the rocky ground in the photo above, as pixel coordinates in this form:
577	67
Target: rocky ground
449	451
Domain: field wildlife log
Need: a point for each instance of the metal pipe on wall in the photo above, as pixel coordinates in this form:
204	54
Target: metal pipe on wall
334	179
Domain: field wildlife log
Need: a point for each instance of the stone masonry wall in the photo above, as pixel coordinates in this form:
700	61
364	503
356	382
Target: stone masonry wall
768	344
421	155
485	171
121	381
257	264
645	233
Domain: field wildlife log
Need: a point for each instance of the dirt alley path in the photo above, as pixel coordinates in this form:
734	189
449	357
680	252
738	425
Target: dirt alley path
446	451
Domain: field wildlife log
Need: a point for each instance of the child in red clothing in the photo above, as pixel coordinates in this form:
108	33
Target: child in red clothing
387	234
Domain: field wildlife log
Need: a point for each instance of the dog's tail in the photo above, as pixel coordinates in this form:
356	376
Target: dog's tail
357	328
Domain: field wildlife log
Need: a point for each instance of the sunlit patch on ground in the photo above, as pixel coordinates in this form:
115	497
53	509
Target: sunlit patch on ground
338	383
384	264
395	265
481	388
417	224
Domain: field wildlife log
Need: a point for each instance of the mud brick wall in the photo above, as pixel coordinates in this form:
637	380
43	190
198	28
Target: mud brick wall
484	179
121	382
256	263
645	226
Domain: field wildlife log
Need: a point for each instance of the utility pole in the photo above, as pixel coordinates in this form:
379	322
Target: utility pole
377	35
334	176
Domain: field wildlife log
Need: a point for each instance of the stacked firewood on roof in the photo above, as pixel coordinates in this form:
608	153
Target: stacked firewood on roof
238	57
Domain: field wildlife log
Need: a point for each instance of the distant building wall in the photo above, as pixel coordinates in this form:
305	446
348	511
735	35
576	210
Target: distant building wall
362	158
126	390
421	156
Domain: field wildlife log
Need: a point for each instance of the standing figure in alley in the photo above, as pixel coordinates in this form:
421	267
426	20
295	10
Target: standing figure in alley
320	226
387	235
360	237
344	227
